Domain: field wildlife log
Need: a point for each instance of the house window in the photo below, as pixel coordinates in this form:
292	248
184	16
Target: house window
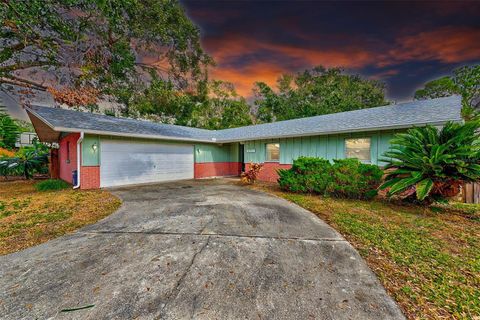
273	152
358	148
68	151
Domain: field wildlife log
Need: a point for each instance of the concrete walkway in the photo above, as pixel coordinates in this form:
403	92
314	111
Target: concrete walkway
195	250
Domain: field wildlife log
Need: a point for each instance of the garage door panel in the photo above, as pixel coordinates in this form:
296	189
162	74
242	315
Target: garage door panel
124	162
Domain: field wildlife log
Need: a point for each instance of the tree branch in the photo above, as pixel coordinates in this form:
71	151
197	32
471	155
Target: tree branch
8	79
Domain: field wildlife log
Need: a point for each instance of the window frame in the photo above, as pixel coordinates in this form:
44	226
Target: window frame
369	161
266	152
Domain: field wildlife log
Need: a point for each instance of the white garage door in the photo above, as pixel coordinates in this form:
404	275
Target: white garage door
127	162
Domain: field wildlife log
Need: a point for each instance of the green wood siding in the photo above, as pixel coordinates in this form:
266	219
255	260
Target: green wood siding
90	157
216	153
203	152
329	147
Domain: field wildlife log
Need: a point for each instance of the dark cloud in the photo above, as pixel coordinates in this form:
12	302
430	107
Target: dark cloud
401	43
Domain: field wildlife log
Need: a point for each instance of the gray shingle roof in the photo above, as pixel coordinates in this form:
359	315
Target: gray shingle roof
416	113
75	121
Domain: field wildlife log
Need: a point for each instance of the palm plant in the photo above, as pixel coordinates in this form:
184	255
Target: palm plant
26	160
433	163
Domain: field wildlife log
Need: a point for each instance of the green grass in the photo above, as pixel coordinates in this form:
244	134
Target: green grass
428	260
51	185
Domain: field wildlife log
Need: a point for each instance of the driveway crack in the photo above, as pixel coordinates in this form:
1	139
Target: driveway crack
173	295
202	234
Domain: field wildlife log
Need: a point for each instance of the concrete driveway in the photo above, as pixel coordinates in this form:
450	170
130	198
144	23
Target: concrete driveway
195	250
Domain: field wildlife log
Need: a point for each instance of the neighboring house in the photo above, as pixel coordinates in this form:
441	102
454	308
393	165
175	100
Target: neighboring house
25	139
110	151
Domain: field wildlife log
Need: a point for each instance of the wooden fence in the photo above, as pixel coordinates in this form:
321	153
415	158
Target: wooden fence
471	193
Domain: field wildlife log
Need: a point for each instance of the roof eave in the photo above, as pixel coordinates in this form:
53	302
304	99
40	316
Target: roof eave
132	135
115	134
319	133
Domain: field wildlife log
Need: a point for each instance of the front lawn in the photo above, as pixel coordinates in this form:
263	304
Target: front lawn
29	217
428	260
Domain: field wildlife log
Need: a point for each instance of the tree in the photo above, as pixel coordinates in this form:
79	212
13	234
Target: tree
160	101
97	44
467	80
443	87
9	130
432	163
221	108
316	92
213	105
464	82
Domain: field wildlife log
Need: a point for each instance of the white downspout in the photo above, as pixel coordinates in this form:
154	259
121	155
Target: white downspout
79	159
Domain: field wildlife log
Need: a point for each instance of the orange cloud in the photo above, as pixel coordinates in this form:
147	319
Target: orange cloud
244	78
230	48
227	52
243	60
447	44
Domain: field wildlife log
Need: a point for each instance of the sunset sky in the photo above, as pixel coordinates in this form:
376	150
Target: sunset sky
403	44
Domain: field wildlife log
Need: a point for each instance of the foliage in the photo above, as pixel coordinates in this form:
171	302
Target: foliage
316	92
24	126
9	130
432	163
221	108
27	160
251	175
465	82
215	105
443	87
346	178
4	153
311	175
354	179
98	44
76	96
51	185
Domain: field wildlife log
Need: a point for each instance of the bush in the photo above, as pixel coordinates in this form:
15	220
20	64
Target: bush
6	153
306	175
251	175
51	184
355	180
27	161
348	178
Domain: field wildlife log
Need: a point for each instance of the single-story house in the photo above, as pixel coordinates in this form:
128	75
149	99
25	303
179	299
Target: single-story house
107	151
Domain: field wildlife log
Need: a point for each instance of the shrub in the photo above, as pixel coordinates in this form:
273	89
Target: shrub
51	184
306	175
6	153
251	175
433	163
348	178
355	180
26	161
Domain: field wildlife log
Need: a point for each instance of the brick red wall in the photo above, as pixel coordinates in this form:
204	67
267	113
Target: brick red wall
217	169
269	170
65	167
90	177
